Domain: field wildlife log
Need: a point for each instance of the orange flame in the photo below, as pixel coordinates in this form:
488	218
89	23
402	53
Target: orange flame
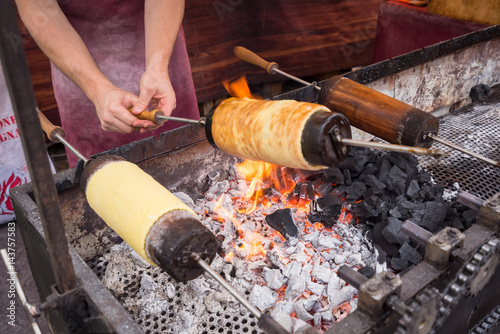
239	88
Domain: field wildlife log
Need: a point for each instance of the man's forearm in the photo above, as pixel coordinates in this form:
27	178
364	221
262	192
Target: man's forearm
61	43
162	22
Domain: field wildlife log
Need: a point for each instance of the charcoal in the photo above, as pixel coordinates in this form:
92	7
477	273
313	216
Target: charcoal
381	241
301	191
433	216
315	288
382	255
333	175
412	190
368	272
325	209
321	273
301	312
452	219
383	170
424	177
285	320
347	176
373	182
324	242
392	232
296	286
262	297
469	217
410	254
424	193
282	221
355	191
354	164
370	169
274	278
324	189
398	264
401	160
396	180
436	192
370	207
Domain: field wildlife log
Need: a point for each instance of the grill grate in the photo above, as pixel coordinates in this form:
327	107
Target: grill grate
476	129
229	321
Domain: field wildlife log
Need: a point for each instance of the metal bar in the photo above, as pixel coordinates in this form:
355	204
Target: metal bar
469	200
391	147
23	100
28	308
71	148
289	76
351	276
225	284
464	150
201	121
416	232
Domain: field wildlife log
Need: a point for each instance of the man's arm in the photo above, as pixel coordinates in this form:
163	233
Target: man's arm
61	43
162	22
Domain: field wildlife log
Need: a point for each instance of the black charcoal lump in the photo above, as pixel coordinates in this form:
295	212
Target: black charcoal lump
388	188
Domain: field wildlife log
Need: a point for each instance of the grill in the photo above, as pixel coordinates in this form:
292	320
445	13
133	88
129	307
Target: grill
228	320
475	128
182	160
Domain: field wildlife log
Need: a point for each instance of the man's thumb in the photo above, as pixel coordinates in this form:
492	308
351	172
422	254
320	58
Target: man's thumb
142	102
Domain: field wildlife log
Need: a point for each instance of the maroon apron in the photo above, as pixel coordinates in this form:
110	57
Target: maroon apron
113	31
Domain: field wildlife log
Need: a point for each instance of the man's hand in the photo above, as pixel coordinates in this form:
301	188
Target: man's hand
157	92
112	105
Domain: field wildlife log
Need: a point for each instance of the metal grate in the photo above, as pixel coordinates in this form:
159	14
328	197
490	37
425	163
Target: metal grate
229	320
477	128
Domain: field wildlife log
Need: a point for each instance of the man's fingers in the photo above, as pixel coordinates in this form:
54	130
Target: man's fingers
144	97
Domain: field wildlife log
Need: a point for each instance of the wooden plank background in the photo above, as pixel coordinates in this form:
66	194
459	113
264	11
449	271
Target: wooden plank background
305	38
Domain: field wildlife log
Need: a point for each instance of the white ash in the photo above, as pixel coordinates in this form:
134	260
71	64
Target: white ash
274	278
294	279
285	320
301	312
321	272
296	286
449	194
185	198
262	297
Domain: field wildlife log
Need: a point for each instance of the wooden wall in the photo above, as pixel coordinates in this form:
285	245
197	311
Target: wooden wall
304	37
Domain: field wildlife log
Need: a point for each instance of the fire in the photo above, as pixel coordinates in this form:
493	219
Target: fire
270	187
239	88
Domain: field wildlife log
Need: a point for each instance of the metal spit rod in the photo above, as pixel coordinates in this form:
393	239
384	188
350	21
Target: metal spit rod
272	68
435	153
56	134
157	116
225	284
463	150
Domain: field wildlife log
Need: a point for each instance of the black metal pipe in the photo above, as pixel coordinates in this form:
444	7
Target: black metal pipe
18	80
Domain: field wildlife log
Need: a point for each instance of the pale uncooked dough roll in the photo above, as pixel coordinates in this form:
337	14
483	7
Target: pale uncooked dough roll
130	202
262	130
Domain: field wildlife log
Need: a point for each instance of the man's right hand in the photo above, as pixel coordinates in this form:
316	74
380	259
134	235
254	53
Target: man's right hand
112	105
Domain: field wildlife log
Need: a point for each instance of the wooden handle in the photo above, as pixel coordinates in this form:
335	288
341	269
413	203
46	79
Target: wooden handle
253	58
50	129
150	115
